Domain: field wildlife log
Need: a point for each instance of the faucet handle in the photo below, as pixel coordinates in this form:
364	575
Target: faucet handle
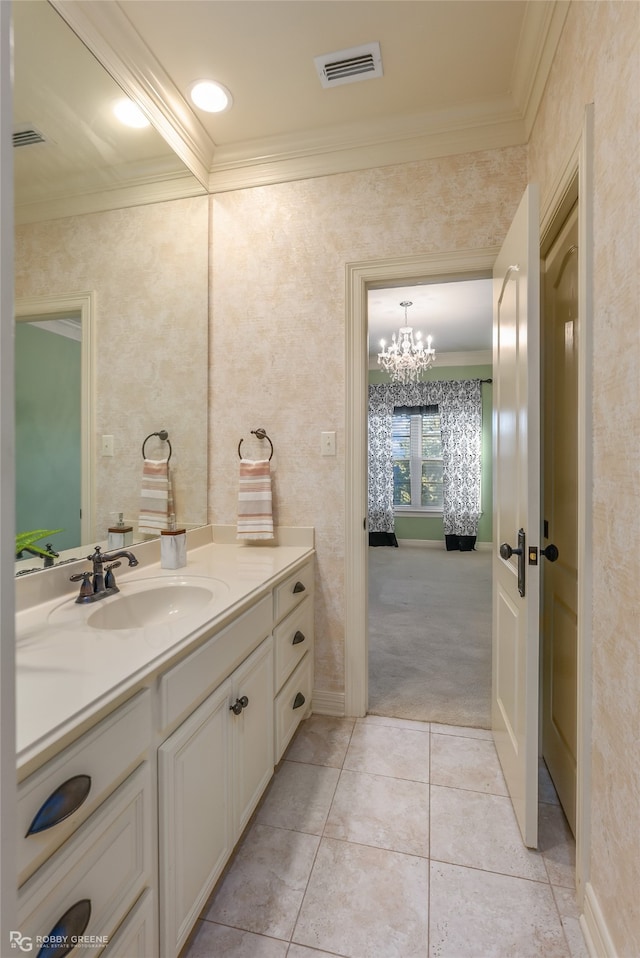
86	589
109	578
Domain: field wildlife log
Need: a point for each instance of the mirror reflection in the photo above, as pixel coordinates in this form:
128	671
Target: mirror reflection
107	218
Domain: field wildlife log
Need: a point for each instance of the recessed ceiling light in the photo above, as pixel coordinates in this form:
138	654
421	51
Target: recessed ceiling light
130	114
210	96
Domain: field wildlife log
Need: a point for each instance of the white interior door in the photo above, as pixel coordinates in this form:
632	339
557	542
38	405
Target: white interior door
516	512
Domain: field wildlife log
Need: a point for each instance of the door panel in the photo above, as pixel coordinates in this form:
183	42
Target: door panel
516	429
560	495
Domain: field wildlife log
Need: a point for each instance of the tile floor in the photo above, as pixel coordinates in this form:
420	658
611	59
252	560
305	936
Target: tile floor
382	838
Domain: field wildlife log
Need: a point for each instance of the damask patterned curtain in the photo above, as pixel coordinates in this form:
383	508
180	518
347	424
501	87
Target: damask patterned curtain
460	406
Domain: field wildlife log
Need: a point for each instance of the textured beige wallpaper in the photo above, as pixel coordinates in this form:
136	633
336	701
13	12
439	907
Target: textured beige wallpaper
598	61
149	268
278	327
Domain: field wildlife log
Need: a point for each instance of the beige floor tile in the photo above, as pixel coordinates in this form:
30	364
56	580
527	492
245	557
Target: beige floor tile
212	940
365	902
376	810
299	797
263	889
475	914
394	722
480	831
462	731
466	763
321	740
381	750
299	951
557	845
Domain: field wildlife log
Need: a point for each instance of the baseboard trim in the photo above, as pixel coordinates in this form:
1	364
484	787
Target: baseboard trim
327	703
439	544
594	927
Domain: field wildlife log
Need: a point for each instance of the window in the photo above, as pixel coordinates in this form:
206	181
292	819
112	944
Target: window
417	460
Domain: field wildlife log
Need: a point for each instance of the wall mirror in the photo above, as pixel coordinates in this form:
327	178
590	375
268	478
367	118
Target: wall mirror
111	271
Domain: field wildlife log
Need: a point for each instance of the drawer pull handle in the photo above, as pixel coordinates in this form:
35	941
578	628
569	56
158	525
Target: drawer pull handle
298	638
62	802
299	700
67	930
239	705
299	587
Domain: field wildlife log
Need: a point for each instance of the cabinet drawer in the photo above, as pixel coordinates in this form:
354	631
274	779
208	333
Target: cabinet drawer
292	591
100	872
136	937
292	704
293	638
81	778
186	685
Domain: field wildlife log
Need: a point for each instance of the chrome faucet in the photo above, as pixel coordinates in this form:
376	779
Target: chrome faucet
99	584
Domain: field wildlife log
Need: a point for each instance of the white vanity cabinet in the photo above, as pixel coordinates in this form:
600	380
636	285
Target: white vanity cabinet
125	830
212	770
99	853
293	640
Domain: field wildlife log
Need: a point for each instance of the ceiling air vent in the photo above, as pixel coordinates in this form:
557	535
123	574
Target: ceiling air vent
349	66
27	136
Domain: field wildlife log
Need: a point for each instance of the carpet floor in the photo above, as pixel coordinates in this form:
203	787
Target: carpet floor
430	635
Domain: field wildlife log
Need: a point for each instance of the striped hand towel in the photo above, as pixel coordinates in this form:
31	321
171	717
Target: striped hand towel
255	517
156	497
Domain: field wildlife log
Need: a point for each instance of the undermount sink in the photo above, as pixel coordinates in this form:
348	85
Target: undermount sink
143	603
150	607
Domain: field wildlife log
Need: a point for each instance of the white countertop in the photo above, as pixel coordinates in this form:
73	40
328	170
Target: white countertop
67	672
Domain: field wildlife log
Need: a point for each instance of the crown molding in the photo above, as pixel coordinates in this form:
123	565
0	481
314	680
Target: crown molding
334	157
504	122
539	37
141	192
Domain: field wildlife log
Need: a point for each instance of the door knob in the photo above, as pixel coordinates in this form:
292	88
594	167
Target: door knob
506	551
239	705
551	552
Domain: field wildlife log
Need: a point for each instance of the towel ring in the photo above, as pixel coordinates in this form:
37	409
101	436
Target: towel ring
260	434
164	435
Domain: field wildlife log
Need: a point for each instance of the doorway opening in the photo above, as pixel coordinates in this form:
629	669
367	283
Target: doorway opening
74	314
429	608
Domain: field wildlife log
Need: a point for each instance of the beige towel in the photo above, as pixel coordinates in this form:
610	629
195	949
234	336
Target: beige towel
255	517
156	497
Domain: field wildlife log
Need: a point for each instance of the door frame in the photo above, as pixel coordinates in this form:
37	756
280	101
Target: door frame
576	182
359	276
81	304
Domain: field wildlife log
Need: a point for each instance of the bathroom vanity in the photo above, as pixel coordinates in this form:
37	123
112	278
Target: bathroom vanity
149	725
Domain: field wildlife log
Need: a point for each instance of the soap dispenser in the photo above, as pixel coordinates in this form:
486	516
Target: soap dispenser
120	535
173	546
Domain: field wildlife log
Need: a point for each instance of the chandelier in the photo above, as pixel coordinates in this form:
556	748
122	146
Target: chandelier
407	356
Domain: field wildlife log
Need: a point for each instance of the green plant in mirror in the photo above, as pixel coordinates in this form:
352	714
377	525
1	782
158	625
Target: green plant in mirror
26	540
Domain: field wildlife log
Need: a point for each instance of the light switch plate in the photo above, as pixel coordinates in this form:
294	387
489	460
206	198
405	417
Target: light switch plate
328	443
106	447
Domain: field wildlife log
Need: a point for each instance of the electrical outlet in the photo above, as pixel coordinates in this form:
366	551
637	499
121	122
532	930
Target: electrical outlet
107	446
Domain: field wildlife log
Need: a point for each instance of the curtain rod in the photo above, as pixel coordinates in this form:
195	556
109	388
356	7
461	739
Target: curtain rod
486	380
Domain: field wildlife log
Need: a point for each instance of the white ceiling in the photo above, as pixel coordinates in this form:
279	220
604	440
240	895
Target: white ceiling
458	76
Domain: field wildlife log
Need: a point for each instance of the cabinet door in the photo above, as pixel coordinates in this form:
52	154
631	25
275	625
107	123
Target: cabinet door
194	799
252	732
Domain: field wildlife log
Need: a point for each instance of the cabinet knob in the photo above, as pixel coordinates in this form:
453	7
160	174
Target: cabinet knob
239	705
298	638
299	701
62	802
299	587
